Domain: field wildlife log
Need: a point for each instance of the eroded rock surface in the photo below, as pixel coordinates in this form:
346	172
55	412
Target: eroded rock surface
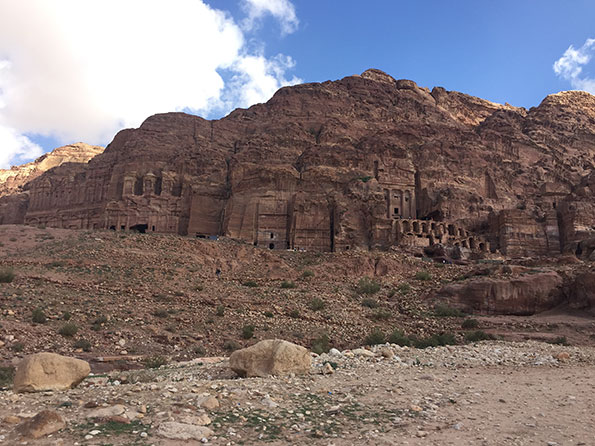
270	357
363	162
49	371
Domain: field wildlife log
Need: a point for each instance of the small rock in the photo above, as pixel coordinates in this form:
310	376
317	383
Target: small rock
363	352
334	352
11	419
562	356
209	402
421	434
328	369
106	412
387	353
182	431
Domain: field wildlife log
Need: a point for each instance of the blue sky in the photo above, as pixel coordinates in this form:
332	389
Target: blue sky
208	57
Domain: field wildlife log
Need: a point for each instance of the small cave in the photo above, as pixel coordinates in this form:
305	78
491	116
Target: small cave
140	228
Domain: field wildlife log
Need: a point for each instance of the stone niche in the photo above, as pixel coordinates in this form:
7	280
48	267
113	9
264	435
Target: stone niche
397	179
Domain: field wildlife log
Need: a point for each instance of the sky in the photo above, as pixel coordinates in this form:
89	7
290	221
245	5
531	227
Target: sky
81	70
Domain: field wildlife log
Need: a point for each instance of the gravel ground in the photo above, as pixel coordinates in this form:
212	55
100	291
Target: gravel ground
489	393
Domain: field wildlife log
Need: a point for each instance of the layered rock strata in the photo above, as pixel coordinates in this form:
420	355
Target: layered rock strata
363	162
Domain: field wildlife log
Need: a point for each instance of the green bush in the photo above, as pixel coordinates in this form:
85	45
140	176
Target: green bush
469	324
83	344
399	338
367	286
6	275
294	314
66	316
436	340
220	310
316	304
442	310
288	284
561	340
17	347
370	303
250	284
248	331
68	330
375	337
381	314
6	376
478	335
321	344
160	313
155	361
268	314
423	275
230	346
38	316
404	288
307	274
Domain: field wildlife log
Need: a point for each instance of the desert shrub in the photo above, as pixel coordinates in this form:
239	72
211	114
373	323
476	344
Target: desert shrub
317	304
399	338
469	324
66	316
220	310
381	314
288	284
367	286
248	331
321	344
370	303
268	314
83	344
68	330
404	288
155	361
294	314
478	335
160	313
6	275
230	346
250	284
38	316
307	274
436	340
375	337
199	350
17	347
442	310
6	376
391	293
561	340
98	322
423	275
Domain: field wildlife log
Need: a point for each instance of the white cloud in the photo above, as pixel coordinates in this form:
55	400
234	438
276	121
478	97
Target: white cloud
80	70
570	66
282	10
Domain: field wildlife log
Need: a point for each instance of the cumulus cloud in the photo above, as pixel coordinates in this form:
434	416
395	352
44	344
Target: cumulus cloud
282	10
570	66
80	70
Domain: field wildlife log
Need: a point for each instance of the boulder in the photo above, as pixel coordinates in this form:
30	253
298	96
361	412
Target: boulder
523	295
183	431
582	293
49	371
270	357
44	423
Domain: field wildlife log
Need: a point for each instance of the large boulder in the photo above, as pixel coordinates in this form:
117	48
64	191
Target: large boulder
270	357
49	371
582	293
44	423
523	295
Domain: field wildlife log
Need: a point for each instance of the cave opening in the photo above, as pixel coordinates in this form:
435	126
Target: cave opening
140	228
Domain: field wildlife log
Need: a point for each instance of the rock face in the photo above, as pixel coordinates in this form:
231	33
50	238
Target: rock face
523	295
582	293
270	357
49	371
363	162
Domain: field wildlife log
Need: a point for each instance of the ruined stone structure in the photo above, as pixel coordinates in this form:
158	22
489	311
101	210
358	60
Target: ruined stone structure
364	162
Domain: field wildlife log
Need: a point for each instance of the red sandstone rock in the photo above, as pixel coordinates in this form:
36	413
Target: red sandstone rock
363	162
524	295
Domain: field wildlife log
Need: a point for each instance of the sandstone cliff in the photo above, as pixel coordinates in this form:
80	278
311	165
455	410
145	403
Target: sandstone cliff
363	162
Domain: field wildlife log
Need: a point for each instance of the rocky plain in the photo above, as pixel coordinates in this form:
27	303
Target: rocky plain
363	261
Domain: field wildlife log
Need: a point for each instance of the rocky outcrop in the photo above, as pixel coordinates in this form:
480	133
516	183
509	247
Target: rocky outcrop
44	423
270	357
581	293
524	295
12	180
354	163
49	371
